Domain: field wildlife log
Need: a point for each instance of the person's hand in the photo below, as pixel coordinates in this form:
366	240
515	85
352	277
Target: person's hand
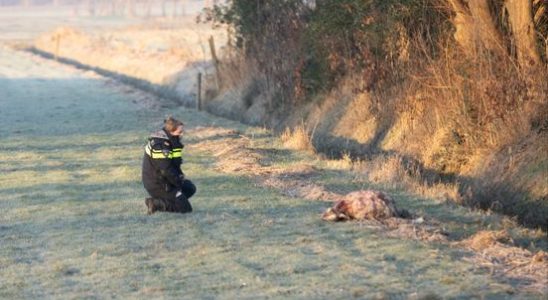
178	194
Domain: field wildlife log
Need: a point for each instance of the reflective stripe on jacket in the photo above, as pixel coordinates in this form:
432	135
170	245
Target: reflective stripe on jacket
162	154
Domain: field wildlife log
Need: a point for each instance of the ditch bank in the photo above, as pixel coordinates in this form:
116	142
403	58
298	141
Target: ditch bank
508	181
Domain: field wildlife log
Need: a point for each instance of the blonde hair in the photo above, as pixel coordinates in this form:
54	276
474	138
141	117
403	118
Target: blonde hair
171	124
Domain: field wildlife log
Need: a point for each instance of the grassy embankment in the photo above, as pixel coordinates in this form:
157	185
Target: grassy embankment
420	84
74	223
466	130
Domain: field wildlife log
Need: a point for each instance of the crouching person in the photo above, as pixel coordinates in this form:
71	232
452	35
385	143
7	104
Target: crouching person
162	176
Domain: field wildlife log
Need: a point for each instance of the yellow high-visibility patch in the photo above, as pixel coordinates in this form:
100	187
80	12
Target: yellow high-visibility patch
159	154
176	152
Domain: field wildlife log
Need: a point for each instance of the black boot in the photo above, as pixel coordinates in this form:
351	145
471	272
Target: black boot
150	206
154	205
180	205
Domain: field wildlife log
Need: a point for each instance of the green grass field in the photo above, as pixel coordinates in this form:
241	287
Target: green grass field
74	223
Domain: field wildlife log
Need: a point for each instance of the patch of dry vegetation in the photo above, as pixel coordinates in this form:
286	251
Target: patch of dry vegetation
458	106
154	51
297	138
492	153
238	154
235	154
495	250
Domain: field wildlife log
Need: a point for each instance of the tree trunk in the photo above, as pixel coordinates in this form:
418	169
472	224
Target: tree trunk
490	36
91	7
465	34
541	11
175	4
148	8
132	8
113	8
475	26
520	16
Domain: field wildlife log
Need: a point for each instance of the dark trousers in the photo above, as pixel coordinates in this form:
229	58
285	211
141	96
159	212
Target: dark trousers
173	203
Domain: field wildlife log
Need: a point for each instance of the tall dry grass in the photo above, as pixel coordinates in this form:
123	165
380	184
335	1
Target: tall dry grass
474	112
470	119
298	138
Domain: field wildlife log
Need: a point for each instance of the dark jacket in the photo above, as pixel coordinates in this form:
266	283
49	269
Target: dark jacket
162	162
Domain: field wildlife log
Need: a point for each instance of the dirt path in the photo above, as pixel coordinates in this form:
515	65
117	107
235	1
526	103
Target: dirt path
73	221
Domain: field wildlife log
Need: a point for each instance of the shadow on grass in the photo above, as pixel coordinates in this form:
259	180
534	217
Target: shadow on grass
80	165
269	235
163	91
72	143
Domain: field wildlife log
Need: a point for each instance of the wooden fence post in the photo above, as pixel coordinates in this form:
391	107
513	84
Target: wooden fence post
215	61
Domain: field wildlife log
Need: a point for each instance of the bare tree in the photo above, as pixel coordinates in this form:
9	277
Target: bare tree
91	7
131	7
148	7
520	16
174	5
476	26
164	8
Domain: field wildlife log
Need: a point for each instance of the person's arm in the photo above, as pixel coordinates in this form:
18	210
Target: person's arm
168	171
164	164
179	169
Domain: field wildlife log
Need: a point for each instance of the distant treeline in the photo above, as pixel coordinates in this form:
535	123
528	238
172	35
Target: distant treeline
97	2
116	7
39	2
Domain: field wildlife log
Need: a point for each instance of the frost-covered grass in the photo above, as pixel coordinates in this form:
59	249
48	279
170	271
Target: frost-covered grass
73	222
